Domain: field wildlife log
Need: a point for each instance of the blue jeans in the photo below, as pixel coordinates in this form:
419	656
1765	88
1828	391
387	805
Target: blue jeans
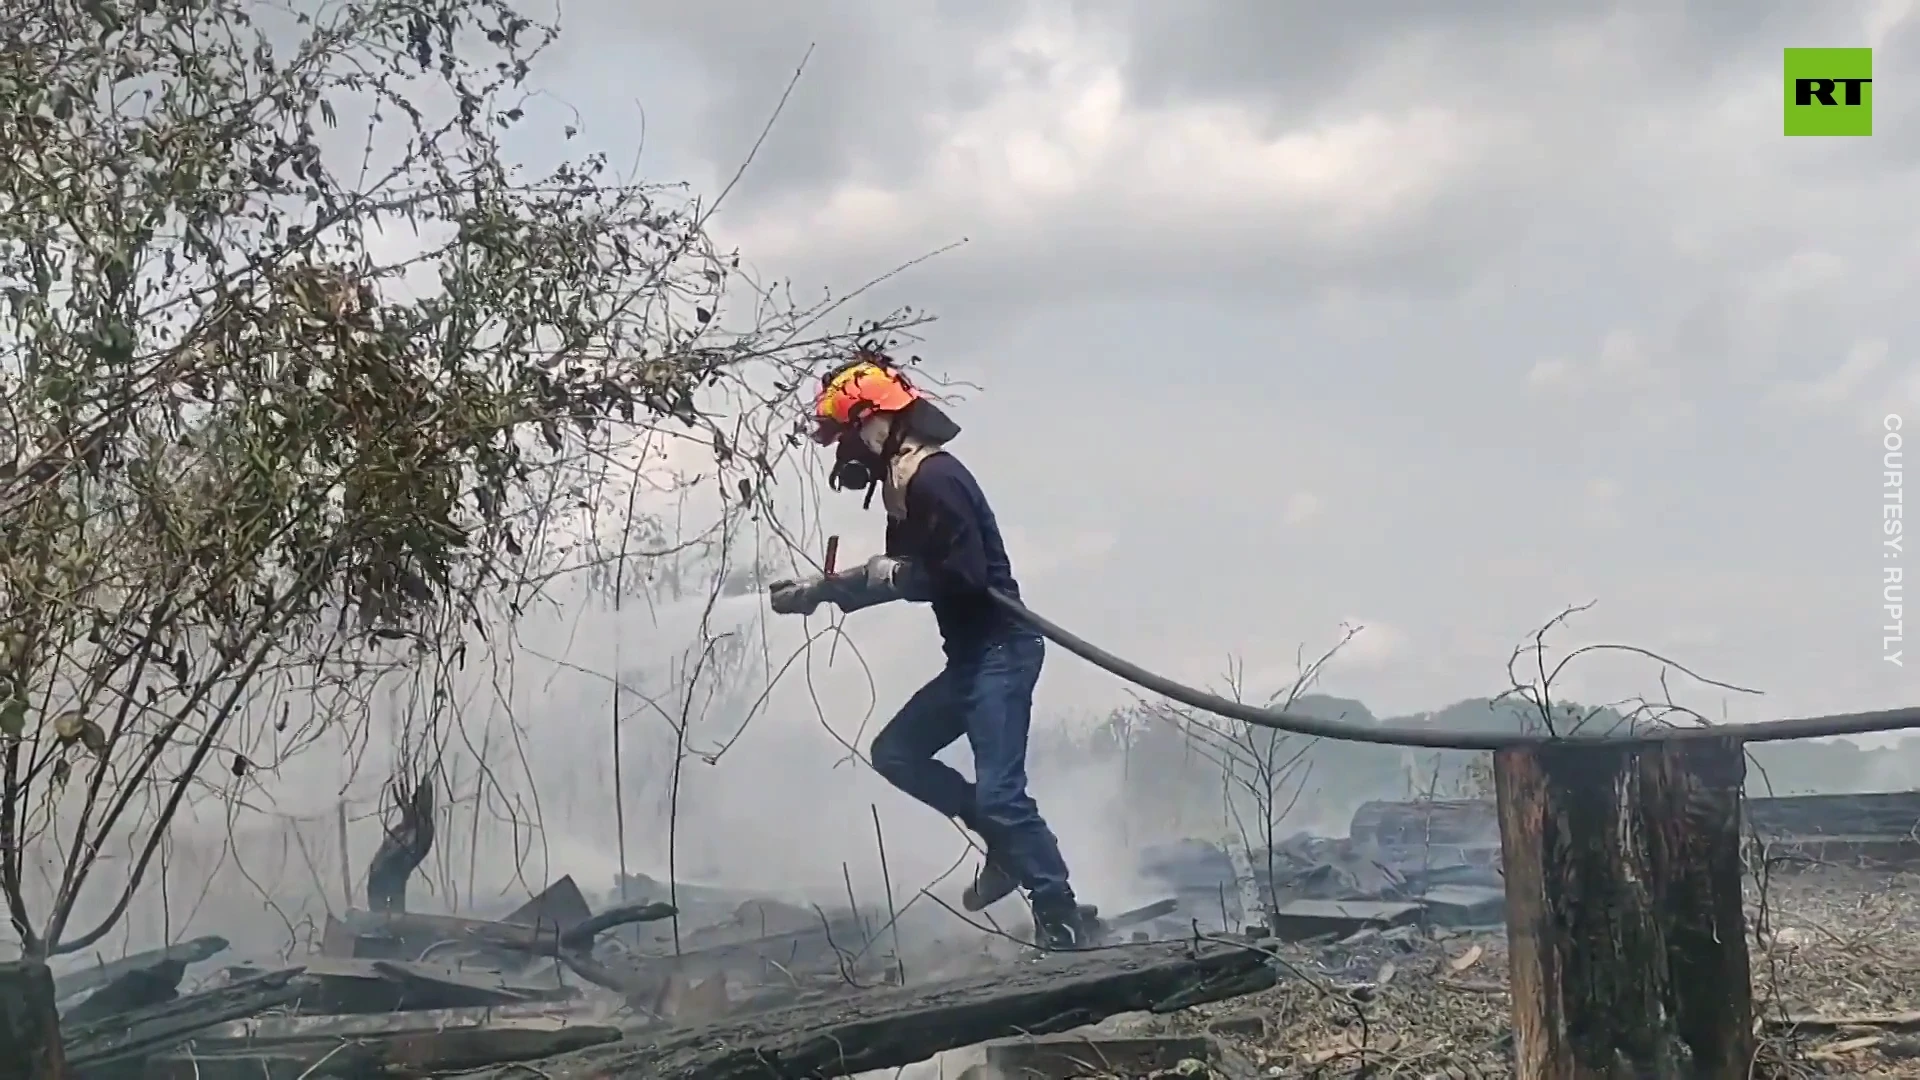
986	695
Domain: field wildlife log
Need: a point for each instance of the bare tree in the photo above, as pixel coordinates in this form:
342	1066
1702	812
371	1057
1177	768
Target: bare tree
1263	770
1533	675
289	412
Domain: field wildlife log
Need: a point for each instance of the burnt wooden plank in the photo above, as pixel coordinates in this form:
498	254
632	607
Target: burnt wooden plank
407	936
408	1044
890	1028
29	1026
132	1036
1878	814
1627	941
93	976
1419	822
1303	920
559	904
137	989
811	946
359	987
255	1032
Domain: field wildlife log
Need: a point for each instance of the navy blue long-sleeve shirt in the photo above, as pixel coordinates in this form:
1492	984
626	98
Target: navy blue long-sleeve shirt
950	531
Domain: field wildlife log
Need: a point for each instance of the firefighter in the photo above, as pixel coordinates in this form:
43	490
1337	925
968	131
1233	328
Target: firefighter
943	548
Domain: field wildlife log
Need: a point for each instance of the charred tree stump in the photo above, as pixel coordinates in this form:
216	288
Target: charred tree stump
1626	938
401	851
29	1025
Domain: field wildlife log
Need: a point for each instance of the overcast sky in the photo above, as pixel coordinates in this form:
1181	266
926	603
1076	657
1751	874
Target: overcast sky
1286	314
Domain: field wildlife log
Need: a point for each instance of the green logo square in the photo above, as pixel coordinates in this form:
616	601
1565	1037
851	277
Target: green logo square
1829	92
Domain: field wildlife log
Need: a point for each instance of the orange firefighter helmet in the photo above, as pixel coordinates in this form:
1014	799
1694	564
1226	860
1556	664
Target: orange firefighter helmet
856	390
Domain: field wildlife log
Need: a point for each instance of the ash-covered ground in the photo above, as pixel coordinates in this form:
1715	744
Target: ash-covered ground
1836	982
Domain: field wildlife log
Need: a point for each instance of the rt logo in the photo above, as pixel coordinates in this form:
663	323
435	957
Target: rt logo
1829	92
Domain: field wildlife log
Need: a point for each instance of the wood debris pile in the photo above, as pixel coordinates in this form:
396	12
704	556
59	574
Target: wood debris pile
757	985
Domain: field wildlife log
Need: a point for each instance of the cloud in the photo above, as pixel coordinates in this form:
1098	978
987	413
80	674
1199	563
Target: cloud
1376	644
1554	373
1840	385
1622	378
1602	508
1900	396
1443	260
1057	177
1302	507
1620	364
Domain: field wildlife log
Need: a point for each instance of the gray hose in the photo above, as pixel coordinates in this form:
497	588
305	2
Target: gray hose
1811	727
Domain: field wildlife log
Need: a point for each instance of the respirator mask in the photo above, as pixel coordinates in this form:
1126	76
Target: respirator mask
857	464
855	467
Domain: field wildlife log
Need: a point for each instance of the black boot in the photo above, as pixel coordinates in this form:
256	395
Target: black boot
1063	925
991	885
996	880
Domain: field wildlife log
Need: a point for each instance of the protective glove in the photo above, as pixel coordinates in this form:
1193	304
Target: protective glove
795	597
880	580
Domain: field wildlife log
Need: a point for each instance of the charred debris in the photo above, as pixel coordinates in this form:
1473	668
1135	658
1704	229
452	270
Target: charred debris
763	987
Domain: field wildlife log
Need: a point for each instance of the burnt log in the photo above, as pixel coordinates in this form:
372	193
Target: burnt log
376	935
885	1029
1627	942
422	987
413	937
137	989
94	976
29	1026
363	987
418	1043
119	1045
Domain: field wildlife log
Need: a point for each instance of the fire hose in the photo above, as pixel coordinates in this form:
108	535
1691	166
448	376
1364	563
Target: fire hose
1810	727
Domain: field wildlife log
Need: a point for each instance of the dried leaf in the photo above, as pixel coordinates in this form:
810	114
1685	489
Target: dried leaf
1330	1053
1849	1046
13	717
67	725
1466	959
94	739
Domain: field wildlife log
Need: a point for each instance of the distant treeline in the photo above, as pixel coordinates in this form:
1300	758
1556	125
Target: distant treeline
1173	777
